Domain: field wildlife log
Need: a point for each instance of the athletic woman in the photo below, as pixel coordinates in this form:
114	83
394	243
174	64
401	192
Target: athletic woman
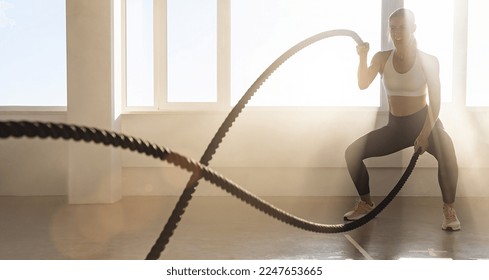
409	77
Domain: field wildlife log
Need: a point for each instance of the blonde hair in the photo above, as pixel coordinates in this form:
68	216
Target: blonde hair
407	14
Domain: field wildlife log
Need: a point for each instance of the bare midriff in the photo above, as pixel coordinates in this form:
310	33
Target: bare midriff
406	105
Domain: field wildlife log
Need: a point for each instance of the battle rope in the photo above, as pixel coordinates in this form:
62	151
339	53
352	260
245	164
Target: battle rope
193	182
199	170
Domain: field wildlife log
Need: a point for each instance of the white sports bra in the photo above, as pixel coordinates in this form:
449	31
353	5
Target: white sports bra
411	83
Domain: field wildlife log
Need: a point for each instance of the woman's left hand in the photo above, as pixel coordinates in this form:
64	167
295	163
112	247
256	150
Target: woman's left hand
421	143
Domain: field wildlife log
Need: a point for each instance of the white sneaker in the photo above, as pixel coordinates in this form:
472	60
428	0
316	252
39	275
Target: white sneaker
361	209
450	220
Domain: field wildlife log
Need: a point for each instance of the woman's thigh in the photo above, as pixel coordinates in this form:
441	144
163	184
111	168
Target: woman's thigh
383	141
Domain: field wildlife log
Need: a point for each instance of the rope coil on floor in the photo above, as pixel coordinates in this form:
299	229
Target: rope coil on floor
200	170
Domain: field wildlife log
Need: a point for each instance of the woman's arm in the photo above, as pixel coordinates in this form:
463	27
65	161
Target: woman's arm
432	72
367	74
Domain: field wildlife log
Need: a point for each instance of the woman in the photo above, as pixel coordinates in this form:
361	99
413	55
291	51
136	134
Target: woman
408	75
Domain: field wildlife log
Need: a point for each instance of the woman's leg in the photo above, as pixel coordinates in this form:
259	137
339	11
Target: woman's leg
380	142
398	134
441	147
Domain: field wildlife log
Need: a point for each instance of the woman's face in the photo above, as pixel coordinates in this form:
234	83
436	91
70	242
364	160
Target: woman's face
401	31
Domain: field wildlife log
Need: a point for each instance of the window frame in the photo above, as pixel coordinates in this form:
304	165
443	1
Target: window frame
160	64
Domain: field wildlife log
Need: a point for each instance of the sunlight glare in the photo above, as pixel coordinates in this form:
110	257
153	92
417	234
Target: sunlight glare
477	55
432	22
323	74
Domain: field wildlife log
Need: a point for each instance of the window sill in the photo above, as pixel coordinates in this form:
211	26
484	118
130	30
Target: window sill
11	110
226	109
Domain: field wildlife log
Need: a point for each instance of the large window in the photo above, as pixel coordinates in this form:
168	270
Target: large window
324	74
140	56
33	53
192	50
477	54
209	52
186	43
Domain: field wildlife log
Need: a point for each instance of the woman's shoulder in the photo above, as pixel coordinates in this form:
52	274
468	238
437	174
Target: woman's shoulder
427	59
384	54
380	58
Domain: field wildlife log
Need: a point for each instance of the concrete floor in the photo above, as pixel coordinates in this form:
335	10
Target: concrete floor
216	228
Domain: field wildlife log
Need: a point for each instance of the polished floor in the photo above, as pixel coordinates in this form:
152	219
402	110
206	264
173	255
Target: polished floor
214	228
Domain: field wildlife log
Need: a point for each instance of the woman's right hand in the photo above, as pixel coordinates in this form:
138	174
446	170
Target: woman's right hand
362	49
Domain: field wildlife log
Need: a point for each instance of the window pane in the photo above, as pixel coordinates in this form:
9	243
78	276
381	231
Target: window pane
434	34
192	50
33	53
477	54
139	51
324	74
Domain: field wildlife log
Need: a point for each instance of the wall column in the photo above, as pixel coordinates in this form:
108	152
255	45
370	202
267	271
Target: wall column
94	171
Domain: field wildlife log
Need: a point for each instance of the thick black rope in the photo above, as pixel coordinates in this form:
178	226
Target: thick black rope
199	170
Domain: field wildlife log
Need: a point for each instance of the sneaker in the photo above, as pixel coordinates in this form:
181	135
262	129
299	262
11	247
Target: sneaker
361	209
450	220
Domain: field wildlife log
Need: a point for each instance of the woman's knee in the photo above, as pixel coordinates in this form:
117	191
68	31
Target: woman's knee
443	149
352	154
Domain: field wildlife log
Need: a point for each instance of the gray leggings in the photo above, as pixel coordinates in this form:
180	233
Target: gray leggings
400	133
